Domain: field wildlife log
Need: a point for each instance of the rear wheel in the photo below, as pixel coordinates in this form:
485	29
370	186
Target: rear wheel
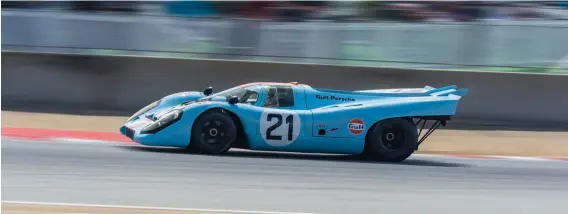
391	140
213	133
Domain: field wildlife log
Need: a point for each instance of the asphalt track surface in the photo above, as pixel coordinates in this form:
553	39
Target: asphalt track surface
121	175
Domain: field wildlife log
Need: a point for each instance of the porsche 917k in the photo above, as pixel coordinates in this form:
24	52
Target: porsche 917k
382	124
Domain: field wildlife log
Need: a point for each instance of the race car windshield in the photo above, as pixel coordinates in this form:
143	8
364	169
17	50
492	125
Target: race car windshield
239	92
242	93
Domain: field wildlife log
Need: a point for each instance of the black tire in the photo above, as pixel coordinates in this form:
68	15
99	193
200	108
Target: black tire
391	140
213	132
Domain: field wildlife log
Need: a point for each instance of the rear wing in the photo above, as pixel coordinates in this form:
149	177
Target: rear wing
450	90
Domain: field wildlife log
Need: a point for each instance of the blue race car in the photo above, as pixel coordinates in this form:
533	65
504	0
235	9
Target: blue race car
380	124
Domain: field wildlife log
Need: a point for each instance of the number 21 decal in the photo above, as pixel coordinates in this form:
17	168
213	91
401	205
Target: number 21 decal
280	128
289	121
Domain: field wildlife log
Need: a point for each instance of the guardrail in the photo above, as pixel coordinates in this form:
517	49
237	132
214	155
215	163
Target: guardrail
129	83
403	45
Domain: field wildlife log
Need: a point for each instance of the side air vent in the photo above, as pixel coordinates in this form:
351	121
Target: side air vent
186	102
326	107
354	105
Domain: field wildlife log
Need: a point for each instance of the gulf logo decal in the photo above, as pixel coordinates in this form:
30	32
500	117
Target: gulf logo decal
356	126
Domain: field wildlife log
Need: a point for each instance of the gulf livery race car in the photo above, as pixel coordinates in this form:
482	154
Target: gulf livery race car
380	124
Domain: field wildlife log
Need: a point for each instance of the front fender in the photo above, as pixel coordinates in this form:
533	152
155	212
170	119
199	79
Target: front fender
166	103
177	134
178	98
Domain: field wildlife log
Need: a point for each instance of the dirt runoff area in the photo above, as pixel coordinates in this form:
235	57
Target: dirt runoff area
468	142
10	208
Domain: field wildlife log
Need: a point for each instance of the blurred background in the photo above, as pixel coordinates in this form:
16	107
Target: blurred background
529	36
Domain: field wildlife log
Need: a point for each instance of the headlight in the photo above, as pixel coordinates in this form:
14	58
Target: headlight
163	121
145	109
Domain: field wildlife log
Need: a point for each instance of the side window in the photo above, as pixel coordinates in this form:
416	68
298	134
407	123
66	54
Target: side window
279	96
285	96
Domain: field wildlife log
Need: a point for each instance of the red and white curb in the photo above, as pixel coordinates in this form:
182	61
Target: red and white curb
106	138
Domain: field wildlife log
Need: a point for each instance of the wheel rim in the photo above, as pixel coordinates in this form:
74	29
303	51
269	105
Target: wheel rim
214	132
393	138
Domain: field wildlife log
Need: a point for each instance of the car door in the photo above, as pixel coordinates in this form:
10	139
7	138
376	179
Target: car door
282	121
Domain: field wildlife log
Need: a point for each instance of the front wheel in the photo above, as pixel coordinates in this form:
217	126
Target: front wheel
213	133
391	140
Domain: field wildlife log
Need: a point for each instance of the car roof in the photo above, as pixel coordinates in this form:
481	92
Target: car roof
269	83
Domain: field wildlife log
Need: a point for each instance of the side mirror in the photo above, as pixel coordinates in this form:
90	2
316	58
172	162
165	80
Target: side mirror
208	91
233	100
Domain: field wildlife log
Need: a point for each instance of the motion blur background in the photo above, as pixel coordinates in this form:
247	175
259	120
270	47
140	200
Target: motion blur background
64	68
71	54
529	36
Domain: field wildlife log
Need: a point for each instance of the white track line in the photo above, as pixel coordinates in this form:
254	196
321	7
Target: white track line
79	140
147	207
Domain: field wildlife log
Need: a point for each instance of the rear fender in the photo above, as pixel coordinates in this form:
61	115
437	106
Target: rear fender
367	113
